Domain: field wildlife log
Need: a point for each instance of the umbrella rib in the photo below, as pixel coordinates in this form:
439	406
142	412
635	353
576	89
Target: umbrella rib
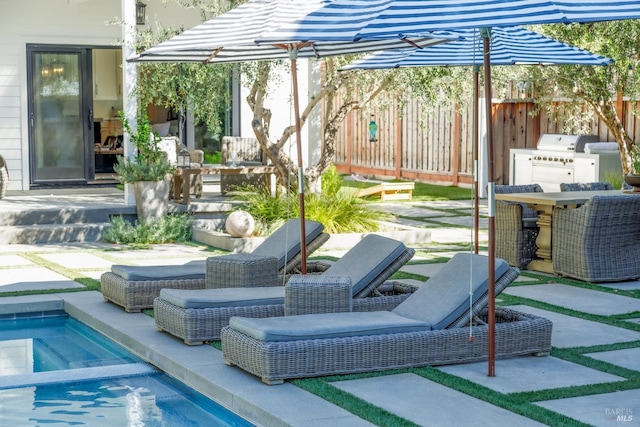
213	55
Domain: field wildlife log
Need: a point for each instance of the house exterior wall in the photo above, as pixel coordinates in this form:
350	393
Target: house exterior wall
64	22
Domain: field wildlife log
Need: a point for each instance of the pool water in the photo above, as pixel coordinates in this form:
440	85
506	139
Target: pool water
56	371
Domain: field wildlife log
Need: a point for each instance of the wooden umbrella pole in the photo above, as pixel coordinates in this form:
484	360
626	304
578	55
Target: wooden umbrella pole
486	37
296	109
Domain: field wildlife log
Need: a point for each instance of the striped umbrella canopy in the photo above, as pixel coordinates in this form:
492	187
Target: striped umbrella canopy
231	37
509	46
389	19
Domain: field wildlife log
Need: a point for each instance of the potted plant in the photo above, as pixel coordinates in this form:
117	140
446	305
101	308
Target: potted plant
633	178
149	170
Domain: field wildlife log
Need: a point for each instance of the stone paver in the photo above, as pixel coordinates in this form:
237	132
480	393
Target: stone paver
30	279
569	331
427	403
600	410
628	358
530	374
579	299
13	260
77	260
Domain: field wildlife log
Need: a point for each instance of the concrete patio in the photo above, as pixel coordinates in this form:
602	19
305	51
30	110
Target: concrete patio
593	316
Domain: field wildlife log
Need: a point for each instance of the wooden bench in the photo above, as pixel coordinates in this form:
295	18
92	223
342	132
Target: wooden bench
389	191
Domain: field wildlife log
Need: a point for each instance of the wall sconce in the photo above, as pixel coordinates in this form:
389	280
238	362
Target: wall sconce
140	13
373	129
57	68
184	159
45	71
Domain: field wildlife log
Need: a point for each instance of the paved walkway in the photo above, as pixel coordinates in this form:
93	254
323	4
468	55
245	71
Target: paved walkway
595	368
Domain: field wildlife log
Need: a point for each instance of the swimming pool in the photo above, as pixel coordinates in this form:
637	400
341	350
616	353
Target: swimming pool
55	370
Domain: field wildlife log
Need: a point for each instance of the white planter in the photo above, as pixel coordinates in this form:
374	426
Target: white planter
152	199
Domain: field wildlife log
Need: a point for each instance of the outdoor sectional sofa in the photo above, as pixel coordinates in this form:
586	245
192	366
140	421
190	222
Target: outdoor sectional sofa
135	287
428	328
197	316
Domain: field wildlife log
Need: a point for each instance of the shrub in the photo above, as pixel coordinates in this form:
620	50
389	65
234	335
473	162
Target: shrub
168	229
338	210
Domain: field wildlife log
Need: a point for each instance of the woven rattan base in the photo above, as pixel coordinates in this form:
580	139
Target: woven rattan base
516	334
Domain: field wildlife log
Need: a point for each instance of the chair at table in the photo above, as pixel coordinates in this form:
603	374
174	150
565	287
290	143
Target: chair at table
599	241
586	186
516	228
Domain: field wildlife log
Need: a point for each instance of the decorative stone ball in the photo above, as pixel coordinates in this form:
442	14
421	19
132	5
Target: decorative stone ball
240	224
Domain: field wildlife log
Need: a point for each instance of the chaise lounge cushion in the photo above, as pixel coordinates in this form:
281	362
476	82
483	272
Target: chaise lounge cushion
191	270
288	237
446	293
326	325
361	266
224	297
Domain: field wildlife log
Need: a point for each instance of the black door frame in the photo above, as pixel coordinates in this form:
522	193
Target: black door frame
86	114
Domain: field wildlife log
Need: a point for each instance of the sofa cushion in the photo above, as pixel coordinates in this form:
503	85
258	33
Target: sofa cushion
445	296
367	260
223	297
326	325
284	243
191	270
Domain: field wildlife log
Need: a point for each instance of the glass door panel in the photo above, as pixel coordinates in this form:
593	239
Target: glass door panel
58	122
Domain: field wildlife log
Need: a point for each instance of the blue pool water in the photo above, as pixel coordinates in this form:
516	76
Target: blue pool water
57	371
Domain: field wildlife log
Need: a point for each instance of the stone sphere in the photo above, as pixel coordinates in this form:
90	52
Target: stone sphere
240	224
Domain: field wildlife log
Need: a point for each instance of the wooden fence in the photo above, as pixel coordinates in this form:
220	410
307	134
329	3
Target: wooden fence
438	149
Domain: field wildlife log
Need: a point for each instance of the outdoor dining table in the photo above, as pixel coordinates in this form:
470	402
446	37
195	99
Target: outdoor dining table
544	204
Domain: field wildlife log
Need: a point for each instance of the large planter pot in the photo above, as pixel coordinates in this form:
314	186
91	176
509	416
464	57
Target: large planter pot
634	181
152	199
4	177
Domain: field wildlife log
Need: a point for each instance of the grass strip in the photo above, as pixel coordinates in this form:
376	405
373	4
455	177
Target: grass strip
323	388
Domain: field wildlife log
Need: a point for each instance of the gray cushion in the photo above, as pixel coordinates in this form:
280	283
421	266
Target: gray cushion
367	260
284	243
192	270
224	297
445	296
326	325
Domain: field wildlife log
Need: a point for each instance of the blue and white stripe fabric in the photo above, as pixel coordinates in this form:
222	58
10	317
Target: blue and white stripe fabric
387	19
232	36
509	46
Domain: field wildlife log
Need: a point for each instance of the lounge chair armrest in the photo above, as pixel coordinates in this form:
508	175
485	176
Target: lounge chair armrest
241	271
310	294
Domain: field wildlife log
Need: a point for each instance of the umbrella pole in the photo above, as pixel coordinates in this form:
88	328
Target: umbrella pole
476	202
486	38
296	110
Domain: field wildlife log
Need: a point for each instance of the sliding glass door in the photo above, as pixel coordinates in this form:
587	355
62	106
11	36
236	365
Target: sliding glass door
60	115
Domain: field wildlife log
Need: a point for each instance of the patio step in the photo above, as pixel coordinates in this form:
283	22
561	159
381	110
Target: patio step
52	233
84	224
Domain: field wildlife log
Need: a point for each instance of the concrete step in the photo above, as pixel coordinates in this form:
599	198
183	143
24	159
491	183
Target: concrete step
52	233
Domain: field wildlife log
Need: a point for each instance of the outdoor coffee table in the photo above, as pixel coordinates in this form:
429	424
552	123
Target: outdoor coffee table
544	204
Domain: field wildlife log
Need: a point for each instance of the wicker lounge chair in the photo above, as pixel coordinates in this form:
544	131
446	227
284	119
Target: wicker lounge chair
598	241
198	316
135	287
586	186
426	329
516	229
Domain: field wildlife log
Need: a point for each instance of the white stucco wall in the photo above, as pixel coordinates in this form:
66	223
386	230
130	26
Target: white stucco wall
64	22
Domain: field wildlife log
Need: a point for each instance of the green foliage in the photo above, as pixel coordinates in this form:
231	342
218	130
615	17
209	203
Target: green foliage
150	162
339	212
421	191
635	159
168	229
614	178
213	158
331	181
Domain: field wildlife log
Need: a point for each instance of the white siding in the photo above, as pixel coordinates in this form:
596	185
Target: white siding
68	22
